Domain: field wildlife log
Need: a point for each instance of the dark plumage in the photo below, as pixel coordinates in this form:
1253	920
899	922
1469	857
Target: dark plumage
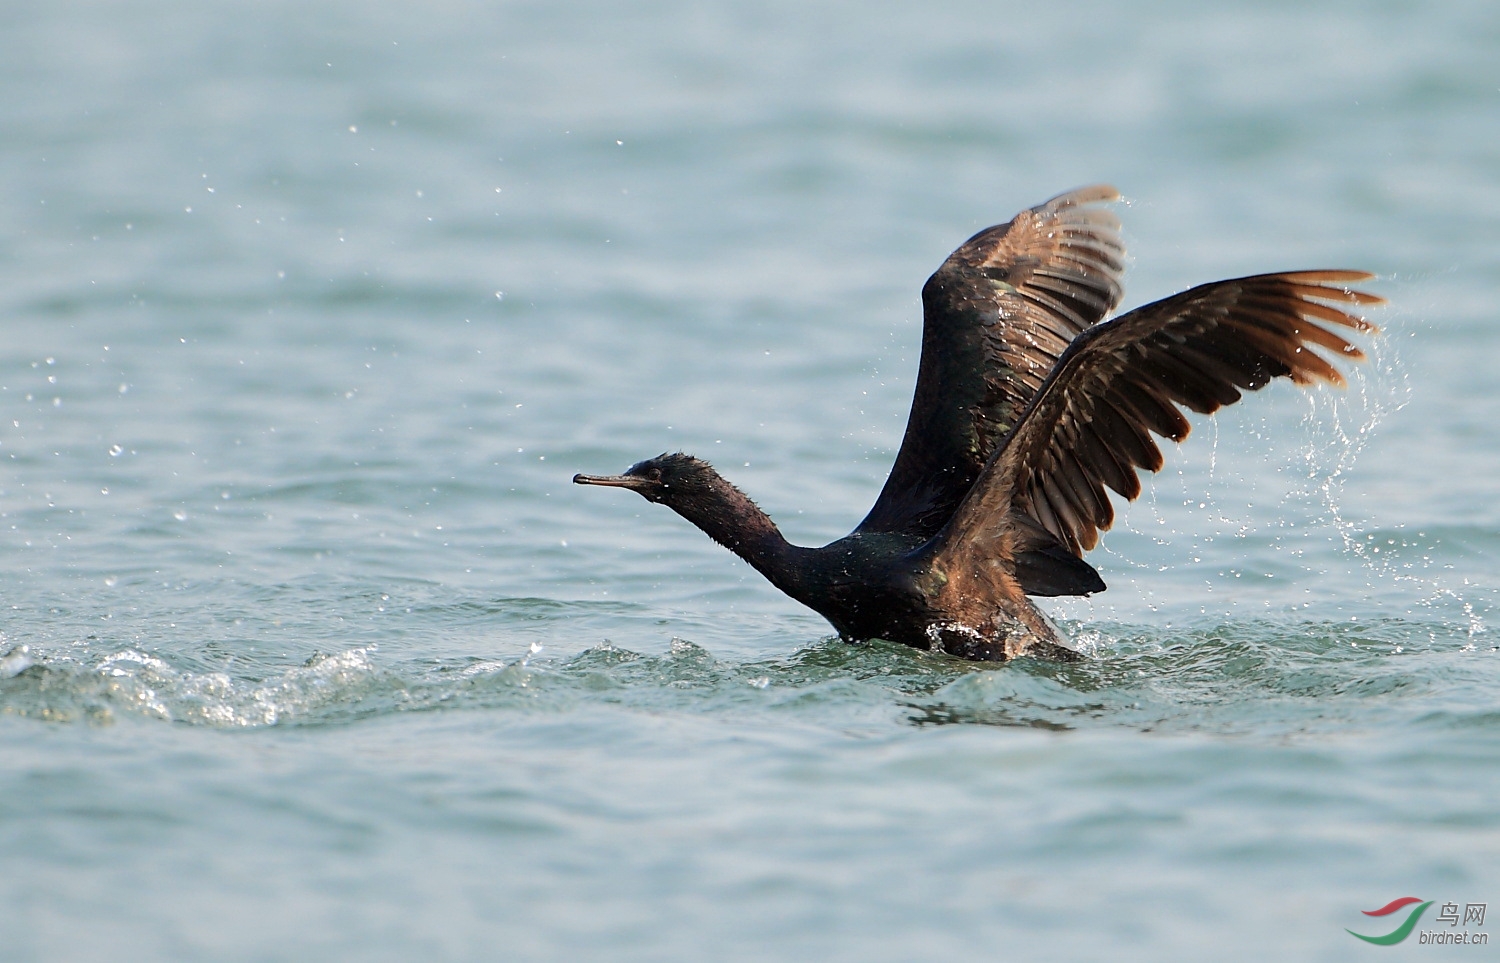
1029	409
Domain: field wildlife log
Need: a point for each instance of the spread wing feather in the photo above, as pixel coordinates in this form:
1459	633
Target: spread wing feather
996	317
1089	427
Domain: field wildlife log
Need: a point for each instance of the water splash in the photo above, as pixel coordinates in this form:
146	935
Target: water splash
1376	392
137	683
1278	675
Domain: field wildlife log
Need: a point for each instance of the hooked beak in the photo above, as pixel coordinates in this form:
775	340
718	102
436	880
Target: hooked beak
610	481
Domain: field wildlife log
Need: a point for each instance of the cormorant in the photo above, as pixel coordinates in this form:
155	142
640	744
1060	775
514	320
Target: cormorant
1028	405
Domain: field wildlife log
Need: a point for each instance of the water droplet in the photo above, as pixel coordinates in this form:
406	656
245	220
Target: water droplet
16	661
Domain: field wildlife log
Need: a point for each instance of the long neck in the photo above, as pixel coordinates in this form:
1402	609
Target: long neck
729	517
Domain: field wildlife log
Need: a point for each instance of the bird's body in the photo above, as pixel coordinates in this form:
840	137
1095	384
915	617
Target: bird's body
1028	406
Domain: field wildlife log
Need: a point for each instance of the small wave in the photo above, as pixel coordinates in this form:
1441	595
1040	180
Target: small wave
1267	677
137	683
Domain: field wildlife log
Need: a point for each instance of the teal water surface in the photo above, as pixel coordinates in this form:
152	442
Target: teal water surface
310	650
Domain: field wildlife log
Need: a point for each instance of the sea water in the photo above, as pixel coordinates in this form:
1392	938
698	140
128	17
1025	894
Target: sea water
310	650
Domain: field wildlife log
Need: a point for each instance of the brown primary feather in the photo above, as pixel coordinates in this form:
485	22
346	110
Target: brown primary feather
1089	425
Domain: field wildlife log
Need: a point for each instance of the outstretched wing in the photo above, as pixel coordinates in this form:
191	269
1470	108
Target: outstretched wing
996	317
1089	427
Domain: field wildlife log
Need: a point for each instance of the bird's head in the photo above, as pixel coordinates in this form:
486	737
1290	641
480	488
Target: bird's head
667	478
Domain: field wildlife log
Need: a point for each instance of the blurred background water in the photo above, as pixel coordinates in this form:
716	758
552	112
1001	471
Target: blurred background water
310	312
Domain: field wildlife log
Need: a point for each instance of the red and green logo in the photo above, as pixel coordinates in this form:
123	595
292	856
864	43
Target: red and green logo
1401	932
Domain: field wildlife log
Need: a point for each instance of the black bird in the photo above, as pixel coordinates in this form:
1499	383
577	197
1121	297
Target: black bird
1028	406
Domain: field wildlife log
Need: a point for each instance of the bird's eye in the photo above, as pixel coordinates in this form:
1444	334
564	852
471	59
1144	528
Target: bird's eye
654	474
